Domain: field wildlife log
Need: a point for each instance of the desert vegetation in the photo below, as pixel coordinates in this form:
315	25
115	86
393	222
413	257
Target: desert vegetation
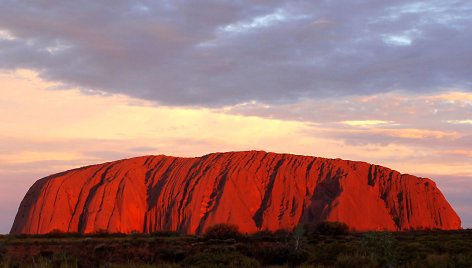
322	245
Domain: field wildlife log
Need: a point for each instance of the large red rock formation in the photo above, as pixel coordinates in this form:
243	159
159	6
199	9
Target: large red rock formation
255	190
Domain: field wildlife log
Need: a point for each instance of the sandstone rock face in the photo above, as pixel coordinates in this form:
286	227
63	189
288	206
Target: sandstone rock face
255	190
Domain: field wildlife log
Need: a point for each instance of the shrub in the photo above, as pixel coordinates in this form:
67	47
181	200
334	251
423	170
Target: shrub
295	258
165	233
170	254
263	235
3	252
99	233
219	259
223	231
56	233
331	228
115	234
268	253
410	250
281	235
379	245
434	260
63	259
327	253
355	261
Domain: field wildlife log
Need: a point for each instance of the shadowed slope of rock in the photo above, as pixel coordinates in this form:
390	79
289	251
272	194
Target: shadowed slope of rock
255	190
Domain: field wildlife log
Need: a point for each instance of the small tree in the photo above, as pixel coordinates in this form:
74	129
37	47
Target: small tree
223	231
298	234
299	254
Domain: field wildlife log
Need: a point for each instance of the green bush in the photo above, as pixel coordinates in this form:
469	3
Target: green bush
379	245
297	257
56	233
263	235
437	261
3	252
327	253
63	259
223	231
331	228
356	261
99	233
282	234
172	254
268	253
219	259
165	234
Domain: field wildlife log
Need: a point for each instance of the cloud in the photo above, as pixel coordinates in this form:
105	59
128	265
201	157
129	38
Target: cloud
364	123
438	109
469	122
213	53
438	120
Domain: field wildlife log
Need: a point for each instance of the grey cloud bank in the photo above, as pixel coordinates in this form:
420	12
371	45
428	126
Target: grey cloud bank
213	53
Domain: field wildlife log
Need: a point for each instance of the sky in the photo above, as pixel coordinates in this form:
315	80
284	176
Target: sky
386	82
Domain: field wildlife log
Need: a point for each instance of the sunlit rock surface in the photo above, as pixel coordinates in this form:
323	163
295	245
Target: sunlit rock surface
255	190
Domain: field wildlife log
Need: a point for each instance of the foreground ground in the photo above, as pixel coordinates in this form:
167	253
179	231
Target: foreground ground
298	248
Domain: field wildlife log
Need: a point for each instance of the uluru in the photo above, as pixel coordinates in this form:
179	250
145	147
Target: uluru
255	190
